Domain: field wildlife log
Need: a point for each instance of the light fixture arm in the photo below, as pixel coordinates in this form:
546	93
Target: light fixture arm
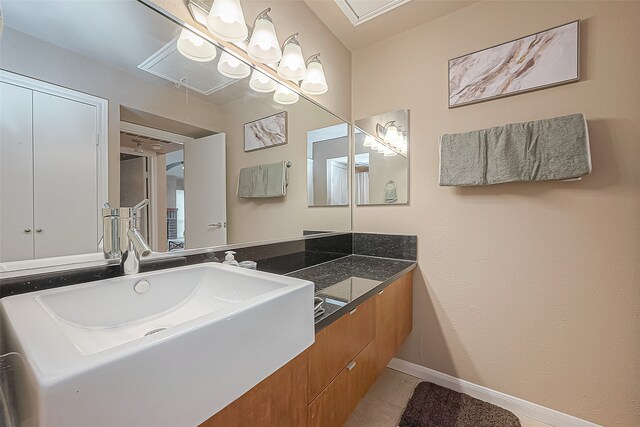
312	58
263	15
293	38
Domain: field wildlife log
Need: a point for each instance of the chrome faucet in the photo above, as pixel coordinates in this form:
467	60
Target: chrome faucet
122	237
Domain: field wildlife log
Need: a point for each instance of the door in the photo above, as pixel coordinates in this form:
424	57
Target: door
65	176
205	192
134	187
16	174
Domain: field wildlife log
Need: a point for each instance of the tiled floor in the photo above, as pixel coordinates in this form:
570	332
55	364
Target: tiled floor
384	403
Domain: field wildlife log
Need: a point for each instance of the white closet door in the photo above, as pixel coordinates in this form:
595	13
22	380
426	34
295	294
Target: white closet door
16	174
65	176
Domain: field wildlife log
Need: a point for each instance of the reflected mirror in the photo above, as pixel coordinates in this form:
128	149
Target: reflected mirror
382	159
328	166
91	115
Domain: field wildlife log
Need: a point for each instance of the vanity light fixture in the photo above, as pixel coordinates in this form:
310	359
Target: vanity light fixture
292	65
260	82
314	83
285	96
226	21
263	44
233	67
194	47
369	141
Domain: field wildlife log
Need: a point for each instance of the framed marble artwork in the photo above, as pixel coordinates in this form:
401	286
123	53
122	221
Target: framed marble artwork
541	60
267	132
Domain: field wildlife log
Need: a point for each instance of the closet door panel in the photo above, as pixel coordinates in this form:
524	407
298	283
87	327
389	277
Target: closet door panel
65	176
16	174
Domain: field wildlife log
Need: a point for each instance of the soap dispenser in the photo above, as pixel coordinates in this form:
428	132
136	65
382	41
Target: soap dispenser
229	259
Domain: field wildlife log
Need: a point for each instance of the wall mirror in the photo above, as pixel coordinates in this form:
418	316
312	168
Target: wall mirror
91	115
381	160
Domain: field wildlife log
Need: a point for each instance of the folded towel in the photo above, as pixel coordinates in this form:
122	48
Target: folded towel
263	181
542	150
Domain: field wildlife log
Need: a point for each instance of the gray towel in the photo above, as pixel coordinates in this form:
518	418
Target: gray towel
263	181
542	150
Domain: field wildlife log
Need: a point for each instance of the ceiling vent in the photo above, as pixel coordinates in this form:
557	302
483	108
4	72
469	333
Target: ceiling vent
169	64
360	11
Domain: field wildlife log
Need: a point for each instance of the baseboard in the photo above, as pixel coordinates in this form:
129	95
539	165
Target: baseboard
513	404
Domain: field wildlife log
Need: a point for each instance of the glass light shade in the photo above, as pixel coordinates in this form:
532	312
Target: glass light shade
292	63
369	141
391	136
194	47
374	145
232	67
264	46
314	82
226	21
382	149
284	95
390	153
260	82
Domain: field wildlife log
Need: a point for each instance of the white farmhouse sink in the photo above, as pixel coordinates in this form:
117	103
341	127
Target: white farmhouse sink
102	354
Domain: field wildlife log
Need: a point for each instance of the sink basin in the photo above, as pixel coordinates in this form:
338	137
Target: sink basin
168	348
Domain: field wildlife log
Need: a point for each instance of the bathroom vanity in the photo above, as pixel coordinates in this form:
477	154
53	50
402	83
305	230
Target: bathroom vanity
323	385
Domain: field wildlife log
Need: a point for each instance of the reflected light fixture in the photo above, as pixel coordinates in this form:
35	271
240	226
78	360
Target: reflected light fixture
194	47
233	67
292	66
226	21
369	141
314	83
285	96
263	45
260	82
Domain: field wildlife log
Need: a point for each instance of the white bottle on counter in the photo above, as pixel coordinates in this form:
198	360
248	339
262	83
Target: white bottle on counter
230	259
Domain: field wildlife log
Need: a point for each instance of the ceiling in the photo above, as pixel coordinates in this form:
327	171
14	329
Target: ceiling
376	20
122	34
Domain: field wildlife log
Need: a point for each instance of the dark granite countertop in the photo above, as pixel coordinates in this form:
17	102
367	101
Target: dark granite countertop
349	281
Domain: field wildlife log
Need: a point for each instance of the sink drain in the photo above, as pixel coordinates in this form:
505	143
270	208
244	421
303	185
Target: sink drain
153	331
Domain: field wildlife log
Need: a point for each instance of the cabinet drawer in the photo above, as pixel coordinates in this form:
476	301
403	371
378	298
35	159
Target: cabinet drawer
338	344
336	402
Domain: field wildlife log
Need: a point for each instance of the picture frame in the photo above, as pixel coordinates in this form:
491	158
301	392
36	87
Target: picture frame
267	132
541	60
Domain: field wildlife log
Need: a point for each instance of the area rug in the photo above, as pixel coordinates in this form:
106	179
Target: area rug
435	406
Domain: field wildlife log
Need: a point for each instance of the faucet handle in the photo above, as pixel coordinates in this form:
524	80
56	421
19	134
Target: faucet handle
140	205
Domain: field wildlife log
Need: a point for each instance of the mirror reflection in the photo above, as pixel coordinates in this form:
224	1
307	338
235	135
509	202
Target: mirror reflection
381	161
328	166
151	111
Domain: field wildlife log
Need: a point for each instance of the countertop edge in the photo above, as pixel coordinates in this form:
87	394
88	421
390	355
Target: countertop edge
326	321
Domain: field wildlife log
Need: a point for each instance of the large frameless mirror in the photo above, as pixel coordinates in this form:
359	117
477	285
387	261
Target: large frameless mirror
153	111
381	160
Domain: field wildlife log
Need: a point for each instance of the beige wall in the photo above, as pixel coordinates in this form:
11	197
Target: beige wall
529	289
289	17
275	218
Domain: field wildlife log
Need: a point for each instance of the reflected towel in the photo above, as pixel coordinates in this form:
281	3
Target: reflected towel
263	181
542	150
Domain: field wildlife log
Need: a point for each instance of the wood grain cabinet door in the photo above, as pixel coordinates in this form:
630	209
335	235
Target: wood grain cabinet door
394	311
336	402
338	344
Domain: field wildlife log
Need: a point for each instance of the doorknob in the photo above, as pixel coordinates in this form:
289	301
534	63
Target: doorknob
217	225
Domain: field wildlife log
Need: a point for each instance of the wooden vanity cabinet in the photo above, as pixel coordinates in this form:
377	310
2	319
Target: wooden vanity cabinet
394	312
338	344
323	385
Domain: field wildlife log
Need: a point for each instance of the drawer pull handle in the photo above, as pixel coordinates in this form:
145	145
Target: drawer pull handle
381	292
351	365
353	311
